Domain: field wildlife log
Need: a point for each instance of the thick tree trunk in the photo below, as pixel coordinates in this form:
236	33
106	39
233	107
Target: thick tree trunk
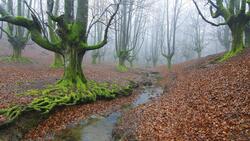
73	74
169	63
237	35
122	61
58	61
237	43
17	53
199	54
247	37
131	64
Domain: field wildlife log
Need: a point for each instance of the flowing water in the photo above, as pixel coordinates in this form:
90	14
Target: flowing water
99	128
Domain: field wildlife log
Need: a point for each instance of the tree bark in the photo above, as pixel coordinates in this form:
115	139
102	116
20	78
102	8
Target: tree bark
58	61
199	54
17	53
73	74
237	35
169	61
247	36
122	61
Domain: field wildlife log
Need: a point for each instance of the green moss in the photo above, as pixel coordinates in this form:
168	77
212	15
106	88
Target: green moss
56	65
61	94
230	54
121	68
22	60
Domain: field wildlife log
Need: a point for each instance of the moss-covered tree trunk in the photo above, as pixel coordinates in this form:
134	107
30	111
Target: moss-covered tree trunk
247	36
58	61
17	53
237	30
169	63
237	35
199	54
131	64
73	74
94	56
122	61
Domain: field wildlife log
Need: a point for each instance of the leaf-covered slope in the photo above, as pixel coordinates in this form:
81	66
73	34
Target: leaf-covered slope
208	101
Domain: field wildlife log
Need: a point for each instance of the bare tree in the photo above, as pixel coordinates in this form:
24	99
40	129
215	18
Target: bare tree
17	36
247	35
198	35
168	49
224	37
137	34
53	8
128	31
98	31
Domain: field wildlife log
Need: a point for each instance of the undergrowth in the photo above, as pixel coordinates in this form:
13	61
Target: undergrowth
121	68
10	59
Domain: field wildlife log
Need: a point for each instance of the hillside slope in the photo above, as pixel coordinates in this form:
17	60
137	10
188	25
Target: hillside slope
207	102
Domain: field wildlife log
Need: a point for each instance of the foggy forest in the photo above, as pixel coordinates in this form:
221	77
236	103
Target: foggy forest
124	70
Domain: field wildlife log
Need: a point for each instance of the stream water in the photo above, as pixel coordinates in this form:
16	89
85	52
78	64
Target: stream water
99	128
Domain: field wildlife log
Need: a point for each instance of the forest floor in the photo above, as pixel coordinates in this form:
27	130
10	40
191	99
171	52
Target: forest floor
19	78
202	101
16	79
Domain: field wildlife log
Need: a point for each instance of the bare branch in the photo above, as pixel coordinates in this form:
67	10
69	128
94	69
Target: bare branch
203	17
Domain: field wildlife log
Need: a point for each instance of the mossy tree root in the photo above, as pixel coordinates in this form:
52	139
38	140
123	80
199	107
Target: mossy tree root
60	94
231	54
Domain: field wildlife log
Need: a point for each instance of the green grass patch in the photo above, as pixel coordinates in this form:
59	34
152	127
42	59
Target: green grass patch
10	59
121	68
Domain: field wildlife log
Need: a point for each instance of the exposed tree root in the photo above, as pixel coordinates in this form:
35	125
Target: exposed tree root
64	94
230	54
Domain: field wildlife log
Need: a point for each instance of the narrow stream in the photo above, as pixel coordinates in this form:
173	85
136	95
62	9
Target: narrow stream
99	128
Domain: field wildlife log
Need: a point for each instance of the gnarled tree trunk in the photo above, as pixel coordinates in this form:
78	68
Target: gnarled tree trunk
237	30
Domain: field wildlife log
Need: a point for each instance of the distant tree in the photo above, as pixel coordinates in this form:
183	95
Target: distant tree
187	50
122	32
172	20
137	34
155	45
1	31
247	35
127	31
17	36
146	52
224	37
98	31
54	8
198	35
235	15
